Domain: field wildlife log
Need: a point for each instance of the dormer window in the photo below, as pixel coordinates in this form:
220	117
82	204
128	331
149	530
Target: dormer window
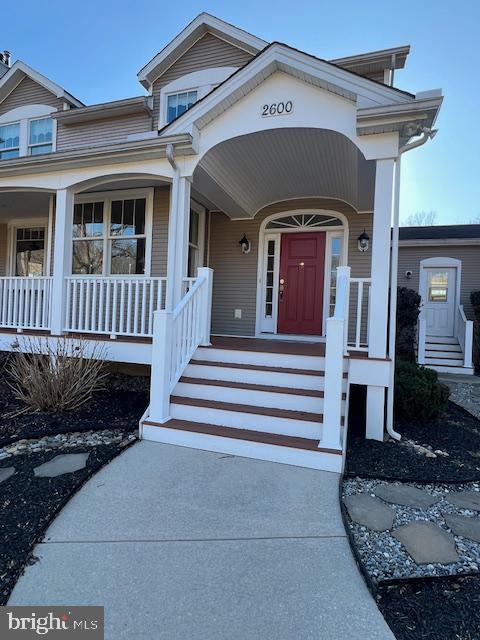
40	135
178	103
9	140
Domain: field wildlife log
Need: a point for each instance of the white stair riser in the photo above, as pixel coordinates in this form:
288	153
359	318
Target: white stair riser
465	371
449	348
250	397
441	340
253	376
251	421
246	449
449	355
289	361
442	362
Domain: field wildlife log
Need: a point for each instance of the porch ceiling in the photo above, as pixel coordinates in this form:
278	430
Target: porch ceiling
27	204
244	174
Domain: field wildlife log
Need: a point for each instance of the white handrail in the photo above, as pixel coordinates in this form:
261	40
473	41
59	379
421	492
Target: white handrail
25	302
421	339
464	334
360	342
176	336
113	305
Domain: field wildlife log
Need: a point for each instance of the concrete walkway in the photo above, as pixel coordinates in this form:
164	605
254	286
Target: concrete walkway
180	544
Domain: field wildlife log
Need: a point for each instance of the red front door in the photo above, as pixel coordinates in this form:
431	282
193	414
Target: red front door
300	298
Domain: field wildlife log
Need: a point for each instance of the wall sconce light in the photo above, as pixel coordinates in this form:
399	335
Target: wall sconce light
245	244
408	274
363	242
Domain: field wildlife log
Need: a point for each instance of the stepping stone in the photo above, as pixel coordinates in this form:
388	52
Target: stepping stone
427	543
369	512
65	463
463	526
405	495
6	472
465	500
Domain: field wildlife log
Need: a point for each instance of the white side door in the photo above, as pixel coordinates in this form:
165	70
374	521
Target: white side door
438	295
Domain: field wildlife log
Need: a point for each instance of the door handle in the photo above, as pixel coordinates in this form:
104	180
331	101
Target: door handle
281	288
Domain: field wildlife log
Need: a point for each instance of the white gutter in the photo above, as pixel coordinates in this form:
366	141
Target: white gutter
426	135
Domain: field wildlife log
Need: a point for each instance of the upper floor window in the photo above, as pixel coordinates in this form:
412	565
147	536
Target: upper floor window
40	135
178	103
9	140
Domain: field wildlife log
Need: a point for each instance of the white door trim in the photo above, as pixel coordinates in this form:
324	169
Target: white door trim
275	234
440	263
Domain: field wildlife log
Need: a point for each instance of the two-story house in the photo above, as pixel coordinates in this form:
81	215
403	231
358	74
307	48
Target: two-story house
230	226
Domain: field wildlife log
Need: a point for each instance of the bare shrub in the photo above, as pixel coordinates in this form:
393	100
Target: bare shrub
56	375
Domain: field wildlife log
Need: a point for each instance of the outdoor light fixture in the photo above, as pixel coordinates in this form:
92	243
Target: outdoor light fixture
245	244
363	242
408	274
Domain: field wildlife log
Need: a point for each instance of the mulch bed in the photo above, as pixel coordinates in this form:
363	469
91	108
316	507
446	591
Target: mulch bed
457	434
119	407
433	609
28	504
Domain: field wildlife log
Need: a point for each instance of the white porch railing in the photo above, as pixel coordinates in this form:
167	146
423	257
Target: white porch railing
25	303
359	310
335	348
421	339
464	334
113	305
176	336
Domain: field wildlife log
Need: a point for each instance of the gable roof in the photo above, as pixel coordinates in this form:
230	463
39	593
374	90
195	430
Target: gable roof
202	24
441	232
375	61
20	70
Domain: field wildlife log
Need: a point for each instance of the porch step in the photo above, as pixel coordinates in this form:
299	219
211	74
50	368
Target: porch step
441	340
260	358
302	452
443	347
447	361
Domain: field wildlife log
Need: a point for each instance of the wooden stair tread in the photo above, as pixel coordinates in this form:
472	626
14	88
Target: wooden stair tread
255	387
264	345
245	434
243	408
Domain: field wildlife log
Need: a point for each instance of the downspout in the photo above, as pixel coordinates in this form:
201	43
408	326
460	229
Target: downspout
426	135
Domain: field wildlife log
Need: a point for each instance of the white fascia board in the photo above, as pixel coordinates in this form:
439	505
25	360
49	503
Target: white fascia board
18	72
197	28
282	58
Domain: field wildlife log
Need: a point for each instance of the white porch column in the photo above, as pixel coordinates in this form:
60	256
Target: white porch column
178	224
62	257
378	312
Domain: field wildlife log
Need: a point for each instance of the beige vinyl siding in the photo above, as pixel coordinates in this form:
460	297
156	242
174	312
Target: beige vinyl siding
206	53
161	206
235	274
3	249
101	132
29	92
410	257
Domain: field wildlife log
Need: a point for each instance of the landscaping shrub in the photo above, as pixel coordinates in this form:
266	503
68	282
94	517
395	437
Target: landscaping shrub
475	300
55	376
418	393
408	310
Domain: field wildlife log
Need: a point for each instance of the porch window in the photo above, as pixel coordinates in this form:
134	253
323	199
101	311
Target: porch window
29	251
127	236
9	141
438	286
40	136
178	103
336	257
88	229
270	278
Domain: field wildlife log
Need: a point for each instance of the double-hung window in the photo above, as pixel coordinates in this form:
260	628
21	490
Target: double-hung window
178	103
9	140
110	236
40	136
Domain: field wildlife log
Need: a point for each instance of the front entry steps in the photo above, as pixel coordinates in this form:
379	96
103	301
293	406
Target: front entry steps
445	355
253	399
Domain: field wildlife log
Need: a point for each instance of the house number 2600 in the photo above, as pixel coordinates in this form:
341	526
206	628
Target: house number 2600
277	108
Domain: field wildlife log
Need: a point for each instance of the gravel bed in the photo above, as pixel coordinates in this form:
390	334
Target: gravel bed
449	450
385	558
466	395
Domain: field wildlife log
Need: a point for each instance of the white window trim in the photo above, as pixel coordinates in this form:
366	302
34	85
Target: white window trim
42	144
202	82
264	326
195	206
106	198
23	116
26	223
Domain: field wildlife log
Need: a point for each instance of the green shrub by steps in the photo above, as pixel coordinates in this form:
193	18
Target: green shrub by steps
408	310
418	393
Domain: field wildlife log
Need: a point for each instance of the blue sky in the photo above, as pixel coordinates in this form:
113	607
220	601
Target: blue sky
95	49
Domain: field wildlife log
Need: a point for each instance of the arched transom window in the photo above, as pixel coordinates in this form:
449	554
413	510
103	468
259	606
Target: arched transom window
304	221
